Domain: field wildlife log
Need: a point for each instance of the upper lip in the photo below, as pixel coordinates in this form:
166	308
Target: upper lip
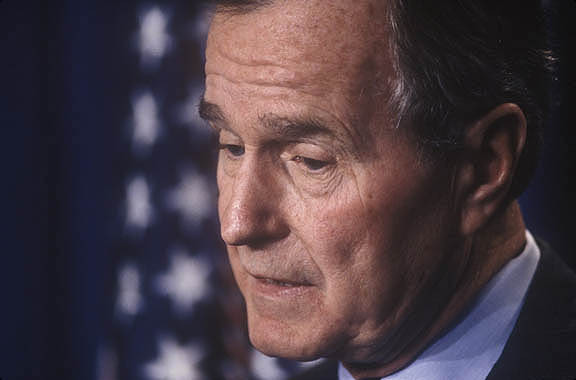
281	279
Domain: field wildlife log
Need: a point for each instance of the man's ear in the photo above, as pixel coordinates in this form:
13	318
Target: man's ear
491	149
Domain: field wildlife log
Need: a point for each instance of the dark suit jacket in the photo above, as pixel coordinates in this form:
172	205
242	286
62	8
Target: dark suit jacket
542	345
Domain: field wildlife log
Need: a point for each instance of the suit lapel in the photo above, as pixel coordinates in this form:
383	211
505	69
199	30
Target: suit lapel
543	342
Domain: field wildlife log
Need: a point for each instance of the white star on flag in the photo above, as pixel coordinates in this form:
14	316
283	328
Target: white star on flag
146	123
139	210
175	362
185	282
154	40
201	25
192	198
129	299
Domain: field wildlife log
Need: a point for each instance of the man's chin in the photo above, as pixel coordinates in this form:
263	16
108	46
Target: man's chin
275	339
284	350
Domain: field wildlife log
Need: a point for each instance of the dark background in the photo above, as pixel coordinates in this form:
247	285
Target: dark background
64	83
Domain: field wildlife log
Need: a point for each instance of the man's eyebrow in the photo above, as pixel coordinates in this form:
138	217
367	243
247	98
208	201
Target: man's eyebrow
292	127
210	112
297	127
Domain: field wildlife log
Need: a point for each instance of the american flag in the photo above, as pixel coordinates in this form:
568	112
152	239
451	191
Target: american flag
175	313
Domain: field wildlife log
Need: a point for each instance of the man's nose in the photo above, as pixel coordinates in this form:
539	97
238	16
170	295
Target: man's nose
250	211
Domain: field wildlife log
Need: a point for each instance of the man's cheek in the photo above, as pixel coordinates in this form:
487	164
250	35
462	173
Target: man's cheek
337	232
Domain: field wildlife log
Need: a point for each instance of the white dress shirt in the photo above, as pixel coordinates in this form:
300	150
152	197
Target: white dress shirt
471	348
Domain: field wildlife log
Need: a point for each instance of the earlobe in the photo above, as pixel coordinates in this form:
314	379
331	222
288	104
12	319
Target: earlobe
491	149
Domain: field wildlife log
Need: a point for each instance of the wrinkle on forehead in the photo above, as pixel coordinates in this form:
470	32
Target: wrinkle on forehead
300	42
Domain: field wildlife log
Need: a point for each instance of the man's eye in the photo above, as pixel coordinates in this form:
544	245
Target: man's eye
310	163
234	150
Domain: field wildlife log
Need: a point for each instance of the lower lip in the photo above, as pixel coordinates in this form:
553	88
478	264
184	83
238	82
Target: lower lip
271	300
273	288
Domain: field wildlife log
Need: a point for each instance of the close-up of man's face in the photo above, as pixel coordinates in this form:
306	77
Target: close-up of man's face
288	190
335	227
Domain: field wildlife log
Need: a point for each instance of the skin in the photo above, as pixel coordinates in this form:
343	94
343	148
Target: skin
344	243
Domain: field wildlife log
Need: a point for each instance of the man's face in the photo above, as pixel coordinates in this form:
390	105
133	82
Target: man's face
335	230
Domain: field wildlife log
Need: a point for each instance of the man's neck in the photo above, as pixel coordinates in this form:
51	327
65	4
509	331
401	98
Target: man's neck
489	250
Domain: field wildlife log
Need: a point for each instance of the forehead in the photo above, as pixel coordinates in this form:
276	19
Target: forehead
317	47
291	30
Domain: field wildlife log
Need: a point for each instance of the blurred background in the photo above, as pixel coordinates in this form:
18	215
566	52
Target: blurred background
111	266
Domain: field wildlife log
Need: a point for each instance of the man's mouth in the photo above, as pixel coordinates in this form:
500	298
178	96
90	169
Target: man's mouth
278	296
280	282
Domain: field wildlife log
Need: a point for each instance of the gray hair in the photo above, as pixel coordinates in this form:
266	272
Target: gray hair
455	60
